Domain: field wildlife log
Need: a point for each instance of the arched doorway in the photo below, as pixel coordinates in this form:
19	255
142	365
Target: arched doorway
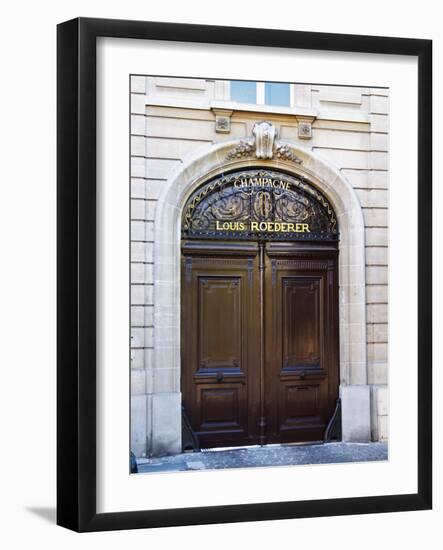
165	402
259	309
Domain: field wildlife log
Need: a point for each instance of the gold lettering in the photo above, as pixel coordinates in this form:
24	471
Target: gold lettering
261	182
271	226
230	226
277	227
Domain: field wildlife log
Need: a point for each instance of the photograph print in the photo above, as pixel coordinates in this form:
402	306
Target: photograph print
259	274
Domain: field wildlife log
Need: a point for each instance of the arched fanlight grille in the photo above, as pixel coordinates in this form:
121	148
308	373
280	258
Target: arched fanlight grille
259	204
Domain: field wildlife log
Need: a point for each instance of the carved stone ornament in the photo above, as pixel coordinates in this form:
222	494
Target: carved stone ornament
243	149
222	120
263	145
265	134
284	152
304	130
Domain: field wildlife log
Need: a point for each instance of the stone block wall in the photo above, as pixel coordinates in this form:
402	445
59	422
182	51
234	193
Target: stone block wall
171	119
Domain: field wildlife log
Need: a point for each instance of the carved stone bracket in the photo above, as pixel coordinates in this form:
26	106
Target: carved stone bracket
263	145
304	126
222	120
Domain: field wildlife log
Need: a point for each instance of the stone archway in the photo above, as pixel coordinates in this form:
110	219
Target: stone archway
213	160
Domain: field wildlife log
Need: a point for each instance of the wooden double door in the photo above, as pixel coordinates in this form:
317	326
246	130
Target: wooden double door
259	340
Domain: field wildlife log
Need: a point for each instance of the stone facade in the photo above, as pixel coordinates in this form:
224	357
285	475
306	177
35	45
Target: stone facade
181	131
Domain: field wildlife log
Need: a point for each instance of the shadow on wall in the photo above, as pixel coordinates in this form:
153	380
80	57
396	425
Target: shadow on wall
46	513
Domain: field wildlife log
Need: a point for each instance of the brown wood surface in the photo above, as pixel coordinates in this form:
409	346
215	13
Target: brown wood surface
259	340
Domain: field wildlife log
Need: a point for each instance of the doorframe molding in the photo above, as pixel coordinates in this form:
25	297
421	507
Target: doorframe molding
205	163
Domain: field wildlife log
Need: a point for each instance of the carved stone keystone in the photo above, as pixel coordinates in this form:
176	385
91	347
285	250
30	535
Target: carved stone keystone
265	134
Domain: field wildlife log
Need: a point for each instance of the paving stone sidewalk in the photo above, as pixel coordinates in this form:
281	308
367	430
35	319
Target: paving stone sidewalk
271	455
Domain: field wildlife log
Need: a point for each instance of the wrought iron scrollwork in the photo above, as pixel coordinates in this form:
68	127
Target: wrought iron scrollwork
246	204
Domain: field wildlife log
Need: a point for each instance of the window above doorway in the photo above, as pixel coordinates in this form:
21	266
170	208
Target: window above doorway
261	93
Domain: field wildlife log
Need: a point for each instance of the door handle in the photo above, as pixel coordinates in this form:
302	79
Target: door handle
302	375
219	377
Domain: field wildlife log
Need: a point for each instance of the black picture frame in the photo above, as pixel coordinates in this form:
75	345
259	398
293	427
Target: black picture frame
76	265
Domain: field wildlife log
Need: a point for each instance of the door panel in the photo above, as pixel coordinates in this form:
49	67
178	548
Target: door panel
300	404
220	322
301	300
301	341
221	407
219	336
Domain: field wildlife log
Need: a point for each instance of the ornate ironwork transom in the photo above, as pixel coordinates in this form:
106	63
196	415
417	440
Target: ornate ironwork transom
259	204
